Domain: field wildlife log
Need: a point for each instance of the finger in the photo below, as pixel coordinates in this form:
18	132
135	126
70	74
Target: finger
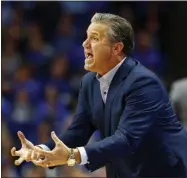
21	137
42	152
34	155
19	161
37	164
55	138
28	156
43	162
14	152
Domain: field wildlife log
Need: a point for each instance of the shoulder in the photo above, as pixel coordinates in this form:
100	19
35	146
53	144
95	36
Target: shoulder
143	77
88	78
140	72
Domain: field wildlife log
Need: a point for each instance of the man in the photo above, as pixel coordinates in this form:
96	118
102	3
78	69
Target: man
178	97
140	134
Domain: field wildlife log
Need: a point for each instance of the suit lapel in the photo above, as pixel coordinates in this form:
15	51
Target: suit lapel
114	88
99	106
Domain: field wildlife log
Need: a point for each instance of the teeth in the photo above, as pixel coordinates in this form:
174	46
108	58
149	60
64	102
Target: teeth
89	56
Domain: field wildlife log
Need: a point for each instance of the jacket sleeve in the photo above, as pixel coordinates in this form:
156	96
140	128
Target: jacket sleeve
143	103
81	128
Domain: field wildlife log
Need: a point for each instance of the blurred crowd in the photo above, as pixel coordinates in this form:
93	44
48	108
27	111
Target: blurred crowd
42	63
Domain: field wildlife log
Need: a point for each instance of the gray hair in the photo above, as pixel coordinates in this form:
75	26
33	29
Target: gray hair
120	30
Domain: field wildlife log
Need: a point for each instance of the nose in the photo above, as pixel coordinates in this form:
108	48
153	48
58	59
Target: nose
86	44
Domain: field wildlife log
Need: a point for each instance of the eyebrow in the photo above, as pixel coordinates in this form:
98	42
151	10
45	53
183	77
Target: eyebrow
93	33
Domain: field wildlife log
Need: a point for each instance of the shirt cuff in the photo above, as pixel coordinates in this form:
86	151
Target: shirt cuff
44	147
84	156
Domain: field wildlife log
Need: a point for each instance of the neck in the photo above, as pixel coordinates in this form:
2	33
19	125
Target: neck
110	66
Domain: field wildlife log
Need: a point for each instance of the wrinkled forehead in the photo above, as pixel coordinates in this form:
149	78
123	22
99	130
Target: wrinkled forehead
98	29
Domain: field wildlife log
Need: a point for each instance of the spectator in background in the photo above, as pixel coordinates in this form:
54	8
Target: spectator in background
51	113
59	77
59	73
22	109
126	12
7	14
46	14
152	24
15	29
11	59
22	116
178	96
7	142
31	171
23	80
146	53
6	108
38	52
65	34
7	169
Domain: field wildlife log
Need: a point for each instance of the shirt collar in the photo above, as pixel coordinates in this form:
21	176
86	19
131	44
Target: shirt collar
107	78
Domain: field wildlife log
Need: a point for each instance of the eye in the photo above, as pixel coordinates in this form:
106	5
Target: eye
95	38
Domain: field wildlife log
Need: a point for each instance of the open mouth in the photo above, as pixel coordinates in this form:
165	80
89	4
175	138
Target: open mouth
89	56
89	61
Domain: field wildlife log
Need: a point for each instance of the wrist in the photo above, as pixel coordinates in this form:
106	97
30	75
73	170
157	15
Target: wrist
73	157
77	155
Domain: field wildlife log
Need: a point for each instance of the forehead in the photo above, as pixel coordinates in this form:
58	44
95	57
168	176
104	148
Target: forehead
97	28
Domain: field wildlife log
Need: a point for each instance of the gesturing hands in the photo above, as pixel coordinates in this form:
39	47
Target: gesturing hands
26	152
58	156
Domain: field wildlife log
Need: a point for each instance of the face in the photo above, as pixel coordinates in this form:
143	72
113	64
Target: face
51	94
60	67
144	40
100	54
22	96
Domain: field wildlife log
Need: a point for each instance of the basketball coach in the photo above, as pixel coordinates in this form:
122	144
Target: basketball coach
140	133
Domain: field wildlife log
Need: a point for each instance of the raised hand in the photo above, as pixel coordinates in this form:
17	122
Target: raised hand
26	152
58	156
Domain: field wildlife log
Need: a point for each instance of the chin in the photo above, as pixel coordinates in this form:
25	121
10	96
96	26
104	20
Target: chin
86	67
89	68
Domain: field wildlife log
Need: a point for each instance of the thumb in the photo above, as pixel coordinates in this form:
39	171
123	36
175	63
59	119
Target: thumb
21	137
55	138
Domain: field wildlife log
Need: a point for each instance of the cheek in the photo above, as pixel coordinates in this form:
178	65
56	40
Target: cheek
101	51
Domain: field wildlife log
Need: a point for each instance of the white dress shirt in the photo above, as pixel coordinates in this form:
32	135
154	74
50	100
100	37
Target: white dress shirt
104	81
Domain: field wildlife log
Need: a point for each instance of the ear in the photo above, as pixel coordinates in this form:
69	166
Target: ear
117	48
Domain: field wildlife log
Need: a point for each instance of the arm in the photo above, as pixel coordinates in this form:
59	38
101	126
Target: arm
142	107
80	129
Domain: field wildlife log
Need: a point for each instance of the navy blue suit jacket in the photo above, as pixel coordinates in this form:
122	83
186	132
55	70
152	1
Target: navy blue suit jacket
140	134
